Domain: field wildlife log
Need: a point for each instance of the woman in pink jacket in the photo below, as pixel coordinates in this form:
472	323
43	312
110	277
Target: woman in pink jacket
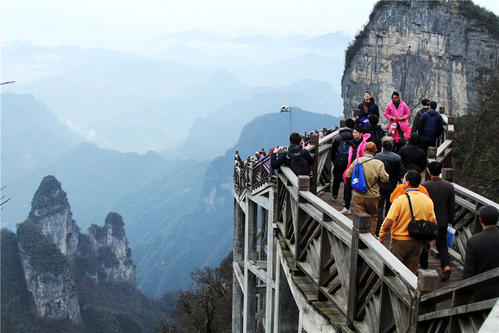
398	113
356	150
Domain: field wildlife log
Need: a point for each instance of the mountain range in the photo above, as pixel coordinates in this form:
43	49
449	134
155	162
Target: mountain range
178	212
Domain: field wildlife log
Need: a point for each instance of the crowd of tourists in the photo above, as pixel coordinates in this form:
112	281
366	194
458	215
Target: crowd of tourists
382	172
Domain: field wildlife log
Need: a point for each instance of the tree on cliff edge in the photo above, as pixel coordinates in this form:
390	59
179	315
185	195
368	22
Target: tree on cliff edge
476	149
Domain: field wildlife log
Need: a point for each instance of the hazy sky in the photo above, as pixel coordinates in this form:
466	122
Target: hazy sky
131	24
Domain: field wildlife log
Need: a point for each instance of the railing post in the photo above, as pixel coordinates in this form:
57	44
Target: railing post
299	216
343	123
428	281
250	174
314	140
361	225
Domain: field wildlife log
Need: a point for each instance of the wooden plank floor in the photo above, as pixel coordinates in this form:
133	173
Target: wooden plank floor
433	261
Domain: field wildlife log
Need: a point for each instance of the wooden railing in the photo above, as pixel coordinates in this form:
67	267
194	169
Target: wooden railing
342	270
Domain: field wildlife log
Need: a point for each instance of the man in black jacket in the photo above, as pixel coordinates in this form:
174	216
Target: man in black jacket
413	157
430	126
395	169
442	194
424	102
296	158
482	251
339	155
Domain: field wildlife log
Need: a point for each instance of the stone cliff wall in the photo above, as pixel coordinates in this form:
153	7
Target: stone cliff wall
48	275
51	211
110	242
52	250
439	50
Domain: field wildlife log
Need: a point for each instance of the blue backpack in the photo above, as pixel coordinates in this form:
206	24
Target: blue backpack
359	183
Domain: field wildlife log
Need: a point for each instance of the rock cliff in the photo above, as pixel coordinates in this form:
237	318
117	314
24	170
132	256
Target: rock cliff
51	211
52	251
48	274
111	245
441	50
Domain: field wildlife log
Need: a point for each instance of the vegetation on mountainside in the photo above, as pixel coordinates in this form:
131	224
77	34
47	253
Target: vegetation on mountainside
44	256
207	308
476	153
481	16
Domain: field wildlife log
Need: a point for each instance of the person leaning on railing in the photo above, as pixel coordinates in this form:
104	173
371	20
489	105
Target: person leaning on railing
404	247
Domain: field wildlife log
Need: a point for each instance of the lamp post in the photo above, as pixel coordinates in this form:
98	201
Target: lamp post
285	108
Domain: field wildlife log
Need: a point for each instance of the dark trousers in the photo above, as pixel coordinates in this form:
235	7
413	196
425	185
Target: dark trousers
385	190
425	144
347	193
338	171
441	243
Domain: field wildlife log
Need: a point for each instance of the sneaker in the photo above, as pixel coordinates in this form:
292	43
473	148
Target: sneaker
346	211
334	197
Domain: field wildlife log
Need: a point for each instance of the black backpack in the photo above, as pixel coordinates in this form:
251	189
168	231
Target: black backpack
342	152
298	164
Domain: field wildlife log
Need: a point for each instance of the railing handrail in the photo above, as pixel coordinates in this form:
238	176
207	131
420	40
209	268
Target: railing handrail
407	277
469	194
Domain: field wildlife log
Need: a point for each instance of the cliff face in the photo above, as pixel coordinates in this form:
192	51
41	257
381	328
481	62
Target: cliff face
48	274
110	243
52	250
51	211
438	50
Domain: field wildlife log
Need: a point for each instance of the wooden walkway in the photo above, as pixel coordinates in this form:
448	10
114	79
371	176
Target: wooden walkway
433	260
302	266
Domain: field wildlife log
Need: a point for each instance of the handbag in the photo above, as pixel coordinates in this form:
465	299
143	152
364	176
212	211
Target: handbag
421	229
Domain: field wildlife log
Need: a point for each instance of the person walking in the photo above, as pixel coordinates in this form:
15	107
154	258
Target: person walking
403	246
355	151
395	169
425	103
374	173
481	251
397	112
430	126
339	155
412	155
442	194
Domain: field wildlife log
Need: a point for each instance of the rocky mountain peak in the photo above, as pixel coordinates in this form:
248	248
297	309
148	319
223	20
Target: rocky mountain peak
110	245
51	211
49	199
441	50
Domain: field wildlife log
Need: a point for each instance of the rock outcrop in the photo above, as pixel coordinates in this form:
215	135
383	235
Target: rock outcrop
51	211
441	50
48	274
52	250
109	243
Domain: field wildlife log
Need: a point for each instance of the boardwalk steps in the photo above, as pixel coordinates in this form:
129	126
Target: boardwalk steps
301	266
